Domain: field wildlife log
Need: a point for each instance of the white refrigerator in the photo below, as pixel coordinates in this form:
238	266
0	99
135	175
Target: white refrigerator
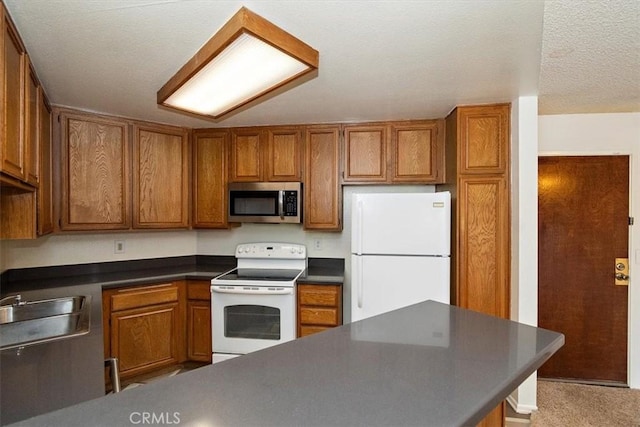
400	251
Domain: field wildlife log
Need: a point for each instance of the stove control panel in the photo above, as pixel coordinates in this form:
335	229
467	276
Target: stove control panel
271	250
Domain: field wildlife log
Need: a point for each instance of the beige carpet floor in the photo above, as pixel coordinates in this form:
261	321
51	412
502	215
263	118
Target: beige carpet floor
569	405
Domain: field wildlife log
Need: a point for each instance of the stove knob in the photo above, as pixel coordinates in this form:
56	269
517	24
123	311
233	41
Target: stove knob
240	249
293	250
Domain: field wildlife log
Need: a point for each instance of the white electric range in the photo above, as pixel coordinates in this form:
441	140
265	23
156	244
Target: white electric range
253	306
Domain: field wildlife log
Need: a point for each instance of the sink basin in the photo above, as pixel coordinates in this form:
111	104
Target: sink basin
44	320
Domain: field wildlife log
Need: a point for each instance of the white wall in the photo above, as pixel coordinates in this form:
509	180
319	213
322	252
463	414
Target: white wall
87	248
524	230
606	134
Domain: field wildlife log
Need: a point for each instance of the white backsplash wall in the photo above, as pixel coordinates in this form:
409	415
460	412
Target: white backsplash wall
87	248
319	244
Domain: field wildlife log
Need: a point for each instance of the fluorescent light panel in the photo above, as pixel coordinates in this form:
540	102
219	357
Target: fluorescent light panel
247	58
247	67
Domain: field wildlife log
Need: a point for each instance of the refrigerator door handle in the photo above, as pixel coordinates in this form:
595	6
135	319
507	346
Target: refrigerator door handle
359	213
359	282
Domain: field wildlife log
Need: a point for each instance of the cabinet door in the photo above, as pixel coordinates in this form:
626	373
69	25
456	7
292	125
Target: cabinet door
209	179
322	195
483	245
199	320
282	158
199	331
145	339
12	149
45	189
160	177
246	155
417	152
32	140
483	132
365	153
95	173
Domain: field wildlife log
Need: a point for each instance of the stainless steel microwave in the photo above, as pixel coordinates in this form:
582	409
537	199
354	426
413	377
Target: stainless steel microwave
272	202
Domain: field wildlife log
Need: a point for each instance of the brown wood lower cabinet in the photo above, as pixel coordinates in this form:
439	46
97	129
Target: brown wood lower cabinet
199	321
144	339
319	308
144	326
156	326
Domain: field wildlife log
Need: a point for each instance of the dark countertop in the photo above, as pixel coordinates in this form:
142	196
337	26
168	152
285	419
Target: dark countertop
49	376
429	364
140	272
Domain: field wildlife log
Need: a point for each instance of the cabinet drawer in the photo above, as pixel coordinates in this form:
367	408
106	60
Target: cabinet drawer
326	296
310	330
140	297
319	316
199	290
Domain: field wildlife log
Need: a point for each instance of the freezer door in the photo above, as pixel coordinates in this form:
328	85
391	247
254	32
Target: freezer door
401	224
383	283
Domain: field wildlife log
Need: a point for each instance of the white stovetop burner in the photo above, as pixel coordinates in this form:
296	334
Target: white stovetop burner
265	265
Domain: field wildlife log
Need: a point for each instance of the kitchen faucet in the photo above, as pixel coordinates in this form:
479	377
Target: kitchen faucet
17	300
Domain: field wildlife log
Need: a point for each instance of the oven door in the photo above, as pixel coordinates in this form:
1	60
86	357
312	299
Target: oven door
246	319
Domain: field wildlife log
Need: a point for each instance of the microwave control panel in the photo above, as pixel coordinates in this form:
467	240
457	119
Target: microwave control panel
290	203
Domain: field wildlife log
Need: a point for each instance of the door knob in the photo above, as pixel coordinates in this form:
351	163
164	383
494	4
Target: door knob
621	271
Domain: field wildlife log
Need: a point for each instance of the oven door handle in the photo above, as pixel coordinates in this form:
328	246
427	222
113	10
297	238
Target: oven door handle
241	291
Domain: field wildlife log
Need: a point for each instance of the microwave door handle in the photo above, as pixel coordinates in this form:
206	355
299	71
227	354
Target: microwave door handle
281	203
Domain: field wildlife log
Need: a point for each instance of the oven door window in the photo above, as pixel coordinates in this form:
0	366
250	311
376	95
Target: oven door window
252	321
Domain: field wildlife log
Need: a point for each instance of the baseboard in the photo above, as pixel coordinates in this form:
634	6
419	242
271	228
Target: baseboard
521	409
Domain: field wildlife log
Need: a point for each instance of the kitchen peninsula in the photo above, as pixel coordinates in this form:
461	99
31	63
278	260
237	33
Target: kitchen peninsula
426	364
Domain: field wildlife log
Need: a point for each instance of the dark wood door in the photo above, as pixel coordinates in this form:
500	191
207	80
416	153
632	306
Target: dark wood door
583	226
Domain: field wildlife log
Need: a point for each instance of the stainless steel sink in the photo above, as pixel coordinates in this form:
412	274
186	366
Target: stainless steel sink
33	322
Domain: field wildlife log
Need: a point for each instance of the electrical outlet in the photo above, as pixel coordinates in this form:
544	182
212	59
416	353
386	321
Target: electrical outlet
317	244
118	247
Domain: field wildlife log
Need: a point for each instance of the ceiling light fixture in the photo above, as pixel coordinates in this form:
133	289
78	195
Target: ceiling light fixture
246	59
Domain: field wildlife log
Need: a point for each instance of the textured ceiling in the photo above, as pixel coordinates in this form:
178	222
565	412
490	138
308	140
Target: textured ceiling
590	57
379	60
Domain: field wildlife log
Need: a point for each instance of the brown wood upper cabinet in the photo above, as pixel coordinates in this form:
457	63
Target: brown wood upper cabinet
210	202
265	154
283	154
45	189
322	193
485	132
365	153
160	176
25	145
394	152
31	128
95	172
417	151
13	150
